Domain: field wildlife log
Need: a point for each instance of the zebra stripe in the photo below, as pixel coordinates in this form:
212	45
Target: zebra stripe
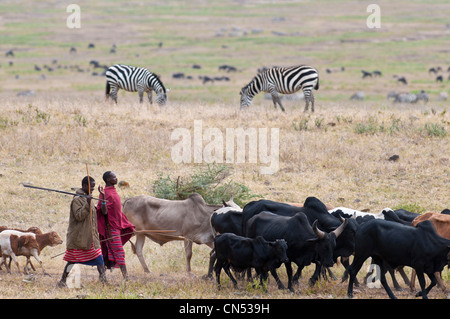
134	79
284	81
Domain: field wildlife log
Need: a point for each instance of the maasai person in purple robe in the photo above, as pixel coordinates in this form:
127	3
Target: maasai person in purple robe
113	226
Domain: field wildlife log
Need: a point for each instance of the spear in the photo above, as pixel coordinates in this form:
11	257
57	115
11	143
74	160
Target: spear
62	192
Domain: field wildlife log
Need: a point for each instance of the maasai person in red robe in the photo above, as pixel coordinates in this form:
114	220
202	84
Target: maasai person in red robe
82	240
113	225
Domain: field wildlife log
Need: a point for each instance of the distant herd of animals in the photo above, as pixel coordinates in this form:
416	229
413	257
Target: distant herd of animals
274	81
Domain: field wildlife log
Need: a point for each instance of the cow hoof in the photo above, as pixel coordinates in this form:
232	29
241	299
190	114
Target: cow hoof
419	294
207	277
312	282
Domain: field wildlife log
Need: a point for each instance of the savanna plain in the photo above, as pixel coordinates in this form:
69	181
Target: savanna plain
54	120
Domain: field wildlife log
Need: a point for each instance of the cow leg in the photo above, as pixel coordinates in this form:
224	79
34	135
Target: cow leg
217	270
346	263
424	291
440	283
315	275
277	279
36	256
226	267
31	264
288	266
402	273
263	276
188	251
297	275
394	280
249	274
383	279
433	283
331	274
412	283
353	270
140	240
212	259
3	262
13	256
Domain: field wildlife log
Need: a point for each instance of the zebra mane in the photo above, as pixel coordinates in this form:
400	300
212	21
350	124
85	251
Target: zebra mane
253	83
158	80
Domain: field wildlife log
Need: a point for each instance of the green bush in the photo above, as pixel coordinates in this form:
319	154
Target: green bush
411	207
210	181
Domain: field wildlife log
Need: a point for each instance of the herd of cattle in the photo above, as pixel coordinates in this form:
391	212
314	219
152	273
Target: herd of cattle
266	234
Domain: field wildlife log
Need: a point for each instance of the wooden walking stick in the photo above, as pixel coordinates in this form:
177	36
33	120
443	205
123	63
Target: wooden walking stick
90	203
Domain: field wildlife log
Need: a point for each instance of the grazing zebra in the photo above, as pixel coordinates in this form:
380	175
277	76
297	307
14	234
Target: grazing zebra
285	81
134	79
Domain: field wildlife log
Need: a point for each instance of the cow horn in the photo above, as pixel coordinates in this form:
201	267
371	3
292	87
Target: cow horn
317	231
341	227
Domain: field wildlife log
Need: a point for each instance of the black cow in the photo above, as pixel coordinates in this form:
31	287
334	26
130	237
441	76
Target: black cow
406	215
241	253
396	245
256	207
306	243
228	222
314	209
386	214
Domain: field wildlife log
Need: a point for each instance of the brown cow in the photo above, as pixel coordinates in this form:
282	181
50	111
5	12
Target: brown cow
441	223
189	218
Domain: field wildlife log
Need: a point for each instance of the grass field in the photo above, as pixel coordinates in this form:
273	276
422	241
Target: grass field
339	154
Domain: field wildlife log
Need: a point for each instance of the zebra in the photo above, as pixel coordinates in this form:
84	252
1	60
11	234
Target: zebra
284	80
134	79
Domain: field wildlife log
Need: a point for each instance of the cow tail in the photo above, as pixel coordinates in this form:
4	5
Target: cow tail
133	247
212	227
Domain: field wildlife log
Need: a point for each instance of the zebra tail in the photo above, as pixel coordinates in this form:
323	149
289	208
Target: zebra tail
108	89
316	87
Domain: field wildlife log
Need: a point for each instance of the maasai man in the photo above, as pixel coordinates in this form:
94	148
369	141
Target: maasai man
82	240
113	225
